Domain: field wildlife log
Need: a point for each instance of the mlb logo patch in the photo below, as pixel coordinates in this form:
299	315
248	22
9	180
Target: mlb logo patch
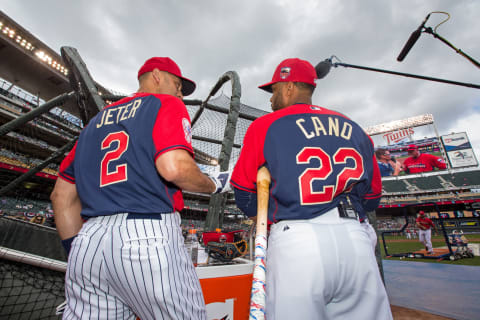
284	72
187	130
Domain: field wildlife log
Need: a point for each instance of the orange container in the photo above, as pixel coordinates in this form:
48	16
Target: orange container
226	289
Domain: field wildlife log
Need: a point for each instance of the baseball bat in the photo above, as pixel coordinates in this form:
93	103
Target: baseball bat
258	295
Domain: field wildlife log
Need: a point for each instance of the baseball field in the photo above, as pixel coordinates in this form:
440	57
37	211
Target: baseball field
396	244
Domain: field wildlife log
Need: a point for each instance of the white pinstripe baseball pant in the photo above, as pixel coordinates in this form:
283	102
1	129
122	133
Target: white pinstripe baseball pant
120	268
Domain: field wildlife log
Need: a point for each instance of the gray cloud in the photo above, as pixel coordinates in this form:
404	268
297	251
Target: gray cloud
208	38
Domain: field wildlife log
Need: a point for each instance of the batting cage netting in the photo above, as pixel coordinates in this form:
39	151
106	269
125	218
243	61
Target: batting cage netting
30	291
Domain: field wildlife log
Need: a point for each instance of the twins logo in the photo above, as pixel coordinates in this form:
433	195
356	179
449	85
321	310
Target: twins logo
220	310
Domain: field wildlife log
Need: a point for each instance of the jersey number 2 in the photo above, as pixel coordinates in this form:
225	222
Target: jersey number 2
310	197
120	173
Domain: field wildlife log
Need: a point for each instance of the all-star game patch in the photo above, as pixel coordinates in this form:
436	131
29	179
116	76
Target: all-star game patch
187	129
284	72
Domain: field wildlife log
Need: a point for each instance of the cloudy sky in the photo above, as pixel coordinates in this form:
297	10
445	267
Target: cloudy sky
207	38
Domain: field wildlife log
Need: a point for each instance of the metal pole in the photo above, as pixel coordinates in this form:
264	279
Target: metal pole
57	101
442	149
372	218
217	202
33	171
409	75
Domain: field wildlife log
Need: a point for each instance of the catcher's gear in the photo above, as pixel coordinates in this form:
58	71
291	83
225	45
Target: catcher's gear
227	251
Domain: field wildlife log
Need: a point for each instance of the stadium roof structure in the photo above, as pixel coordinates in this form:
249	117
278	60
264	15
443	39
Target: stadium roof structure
27	62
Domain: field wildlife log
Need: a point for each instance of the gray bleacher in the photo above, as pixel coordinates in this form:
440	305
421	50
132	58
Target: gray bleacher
391	186
461	179
426	183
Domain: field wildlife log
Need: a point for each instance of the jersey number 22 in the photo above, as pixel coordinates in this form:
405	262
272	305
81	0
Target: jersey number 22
328	192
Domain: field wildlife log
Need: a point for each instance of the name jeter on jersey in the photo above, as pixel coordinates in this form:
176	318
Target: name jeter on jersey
343	129
115	115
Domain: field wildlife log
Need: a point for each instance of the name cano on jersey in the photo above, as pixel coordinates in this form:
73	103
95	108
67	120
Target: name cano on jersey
341	129
115	115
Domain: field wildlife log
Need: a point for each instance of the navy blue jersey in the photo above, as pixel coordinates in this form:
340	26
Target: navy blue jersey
316	158
113	162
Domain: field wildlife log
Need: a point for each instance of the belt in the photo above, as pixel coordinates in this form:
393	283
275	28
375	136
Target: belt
157	216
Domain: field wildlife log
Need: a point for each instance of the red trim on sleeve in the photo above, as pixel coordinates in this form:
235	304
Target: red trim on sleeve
172	128
66	163
376	185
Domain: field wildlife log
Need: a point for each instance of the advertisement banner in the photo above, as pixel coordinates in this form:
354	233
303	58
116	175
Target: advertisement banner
469	224
459	150
462	158
450	224
456	141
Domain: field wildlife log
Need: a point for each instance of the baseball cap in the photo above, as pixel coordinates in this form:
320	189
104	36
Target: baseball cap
292	70
168	65
412	147
421	212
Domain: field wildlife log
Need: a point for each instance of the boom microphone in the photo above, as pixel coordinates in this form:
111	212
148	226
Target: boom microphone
411	41
323	68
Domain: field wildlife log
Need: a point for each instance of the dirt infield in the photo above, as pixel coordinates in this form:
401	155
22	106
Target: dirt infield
401	313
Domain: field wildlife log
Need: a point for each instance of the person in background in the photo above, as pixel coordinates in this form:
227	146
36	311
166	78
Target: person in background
425	233
421	162
387	165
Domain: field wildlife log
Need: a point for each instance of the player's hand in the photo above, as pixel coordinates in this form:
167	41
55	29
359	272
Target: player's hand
221	180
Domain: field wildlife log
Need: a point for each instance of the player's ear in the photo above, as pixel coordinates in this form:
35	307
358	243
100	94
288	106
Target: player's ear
157	76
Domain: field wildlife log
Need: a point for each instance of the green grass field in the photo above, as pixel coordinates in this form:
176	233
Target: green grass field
398	244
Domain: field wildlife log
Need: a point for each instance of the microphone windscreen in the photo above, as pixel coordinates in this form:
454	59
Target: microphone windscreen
323	68
411	41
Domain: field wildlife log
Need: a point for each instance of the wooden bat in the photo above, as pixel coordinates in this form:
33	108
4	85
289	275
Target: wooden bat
258	295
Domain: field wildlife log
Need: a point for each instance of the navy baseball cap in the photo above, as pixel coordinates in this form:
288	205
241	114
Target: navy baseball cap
168	65
292	70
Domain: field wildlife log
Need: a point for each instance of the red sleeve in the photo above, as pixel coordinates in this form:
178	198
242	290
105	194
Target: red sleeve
66	171
172	128
376	181
251	158
438	162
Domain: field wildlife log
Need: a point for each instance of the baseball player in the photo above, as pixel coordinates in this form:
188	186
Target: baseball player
421	162
425	233
320	264
124	177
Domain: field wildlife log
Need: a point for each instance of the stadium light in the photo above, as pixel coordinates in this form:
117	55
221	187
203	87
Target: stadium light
411	122
323	68
21	41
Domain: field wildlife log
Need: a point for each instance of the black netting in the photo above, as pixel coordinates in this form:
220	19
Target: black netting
28	292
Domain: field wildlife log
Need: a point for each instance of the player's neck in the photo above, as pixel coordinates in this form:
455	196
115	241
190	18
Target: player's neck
302	100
